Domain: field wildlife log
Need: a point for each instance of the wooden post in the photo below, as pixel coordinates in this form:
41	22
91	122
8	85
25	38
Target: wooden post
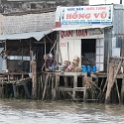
39	87
110	83
85	93
56	89
14	90
122	91
45	85
22	55
53	88
3	91
34	80
57	49
111	80
26	91
68	51
41	79
6	58
74	85
31	54
117	91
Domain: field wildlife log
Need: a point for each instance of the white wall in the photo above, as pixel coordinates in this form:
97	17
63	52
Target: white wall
74	49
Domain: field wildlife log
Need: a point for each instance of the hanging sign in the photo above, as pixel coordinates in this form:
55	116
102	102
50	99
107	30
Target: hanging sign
85	15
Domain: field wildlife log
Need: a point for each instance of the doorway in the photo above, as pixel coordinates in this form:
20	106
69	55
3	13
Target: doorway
88	52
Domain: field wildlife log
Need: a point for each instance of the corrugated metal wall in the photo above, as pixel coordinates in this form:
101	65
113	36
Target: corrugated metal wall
118	24
107	44
116	31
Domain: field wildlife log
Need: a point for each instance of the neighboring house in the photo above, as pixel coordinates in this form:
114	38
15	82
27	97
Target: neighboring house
22	5
20	31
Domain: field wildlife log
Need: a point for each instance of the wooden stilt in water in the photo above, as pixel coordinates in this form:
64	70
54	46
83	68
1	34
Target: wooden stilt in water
56	94
118	92
39	87
66	85
6	91
3	91
14	90
53	88
112	79
34	80
45	85
41	79
85	90
101	95
26	91
122	91
74	85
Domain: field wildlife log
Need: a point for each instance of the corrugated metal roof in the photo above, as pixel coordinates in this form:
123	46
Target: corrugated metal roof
37	35
81	27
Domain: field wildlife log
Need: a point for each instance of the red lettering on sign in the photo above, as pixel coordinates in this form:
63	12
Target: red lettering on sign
96	15
62	44
66	34
82	33
81	16
103	15
90	8
100	8
87	16
68	16
78	16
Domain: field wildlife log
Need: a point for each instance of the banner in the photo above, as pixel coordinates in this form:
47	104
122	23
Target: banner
85	15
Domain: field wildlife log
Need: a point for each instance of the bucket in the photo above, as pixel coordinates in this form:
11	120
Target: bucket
84	69
94	69
88	68
30	75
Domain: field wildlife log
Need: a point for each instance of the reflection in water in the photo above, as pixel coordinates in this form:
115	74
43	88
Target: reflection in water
32	112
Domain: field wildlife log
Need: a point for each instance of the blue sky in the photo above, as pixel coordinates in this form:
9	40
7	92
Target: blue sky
103	1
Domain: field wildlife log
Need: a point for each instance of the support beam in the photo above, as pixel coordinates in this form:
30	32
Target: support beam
118	91
14	90
34	80
48	38
74	85
26	91
122	91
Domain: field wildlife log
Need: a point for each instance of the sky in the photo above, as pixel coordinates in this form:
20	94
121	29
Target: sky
92	2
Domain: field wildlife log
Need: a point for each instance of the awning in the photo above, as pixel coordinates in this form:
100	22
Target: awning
81	27
37	35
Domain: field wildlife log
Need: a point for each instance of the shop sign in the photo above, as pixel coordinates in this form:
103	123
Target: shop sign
85	15
79	33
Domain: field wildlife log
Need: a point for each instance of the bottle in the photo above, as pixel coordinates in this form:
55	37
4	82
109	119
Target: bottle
109	17
63	12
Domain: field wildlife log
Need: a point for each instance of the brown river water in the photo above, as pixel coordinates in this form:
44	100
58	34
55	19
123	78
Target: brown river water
59	112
